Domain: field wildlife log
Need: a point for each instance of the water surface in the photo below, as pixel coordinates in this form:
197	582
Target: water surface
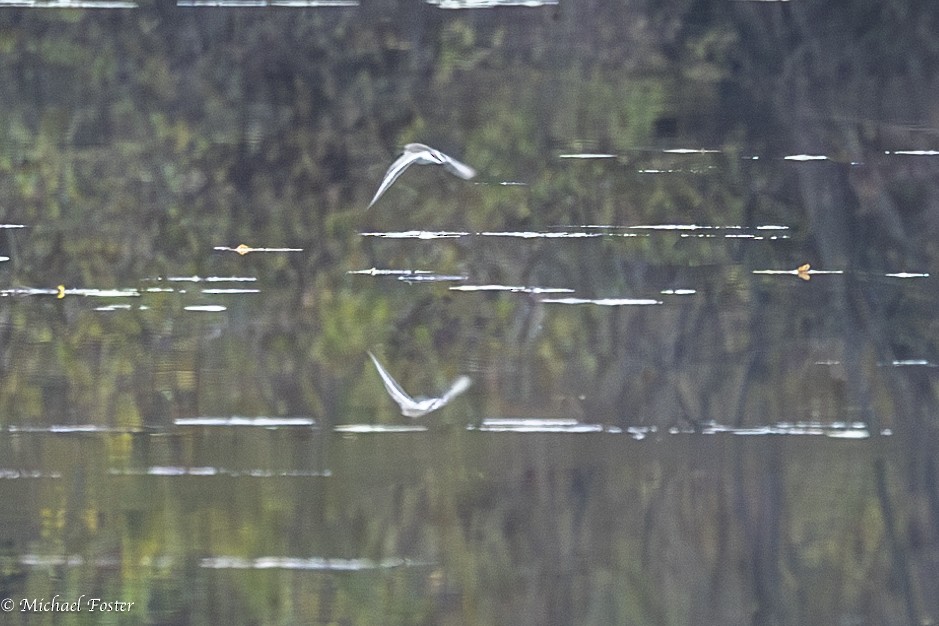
693	285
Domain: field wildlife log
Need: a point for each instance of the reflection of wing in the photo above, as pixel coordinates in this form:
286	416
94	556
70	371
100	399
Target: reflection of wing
462	170
417	408
397	394
460	385
397	168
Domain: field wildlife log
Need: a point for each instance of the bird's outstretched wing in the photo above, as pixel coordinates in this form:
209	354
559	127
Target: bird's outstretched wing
422	155
397	168
462	170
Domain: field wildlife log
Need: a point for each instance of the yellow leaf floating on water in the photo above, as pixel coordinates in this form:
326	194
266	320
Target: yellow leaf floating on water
803	271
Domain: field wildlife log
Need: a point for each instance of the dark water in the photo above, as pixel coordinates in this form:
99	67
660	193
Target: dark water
693	286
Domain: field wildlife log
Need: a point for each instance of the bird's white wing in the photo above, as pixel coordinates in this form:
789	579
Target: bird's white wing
399	395
397	168
460	385
462	170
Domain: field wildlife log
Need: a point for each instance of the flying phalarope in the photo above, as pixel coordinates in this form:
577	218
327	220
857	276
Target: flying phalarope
422	155
417	407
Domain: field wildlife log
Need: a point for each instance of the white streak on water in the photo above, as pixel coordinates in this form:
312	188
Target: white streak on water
806	157
418	234
432	278
797	272
374	271
11	474
536	425
247	4
539	235
209	279
70	428
586	155
67	4
488	4
908	363
247	250
678	227
306	563
914	152
103	293
835	430
262	422
95	293
379	428
28	291
602	301
203	471
691	151
848	434
511	289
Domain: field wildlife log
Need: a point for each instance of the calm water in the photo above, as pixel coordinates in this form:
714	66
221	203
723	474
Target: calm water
692	286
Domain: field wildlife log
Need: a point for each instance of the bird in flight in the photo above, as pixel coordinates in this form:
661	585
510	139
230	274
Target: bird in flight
418	407
422	155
